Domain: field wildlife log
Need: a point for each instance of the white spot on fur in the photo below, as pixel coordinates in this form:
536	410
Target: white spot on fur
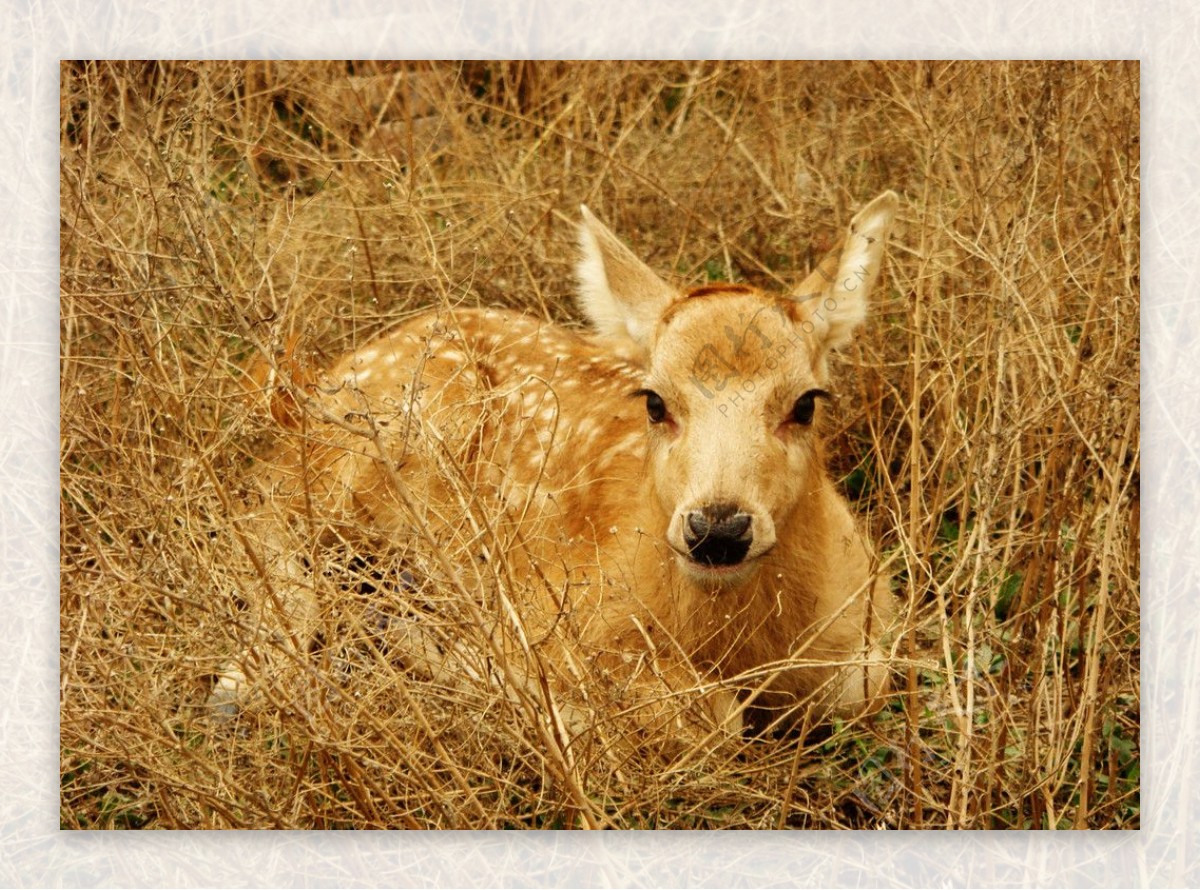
629	442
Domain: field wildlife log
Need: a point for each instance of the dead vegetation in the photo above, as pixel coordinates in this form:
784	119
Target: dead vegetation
225	224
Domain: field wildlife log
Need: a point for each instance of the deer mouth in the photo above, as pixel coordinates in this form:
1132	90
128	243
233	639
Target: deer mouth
717	575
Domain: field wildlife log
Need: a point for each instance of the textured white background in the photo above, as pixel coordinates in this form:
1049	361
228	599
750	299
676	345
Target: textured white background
35	35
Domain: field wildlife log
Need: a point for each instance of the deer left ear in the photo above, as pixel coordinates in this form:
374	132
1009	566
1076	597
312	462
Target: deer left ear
618	293
834	297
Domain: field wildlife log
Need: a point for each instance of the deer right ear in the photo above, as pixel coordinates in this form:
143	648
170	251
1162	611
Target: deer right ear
834	297
618	293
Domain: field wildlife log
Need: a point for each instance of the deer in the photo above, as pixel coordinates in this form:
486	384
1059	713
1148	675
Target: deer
648	497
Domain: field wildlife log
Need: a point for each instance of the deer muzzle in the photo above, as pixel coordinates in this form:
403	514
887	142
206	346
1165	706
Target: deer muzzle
718	535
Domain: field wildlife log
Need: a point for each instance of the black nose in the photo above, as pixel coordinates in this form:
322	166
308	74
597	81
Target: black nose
718	535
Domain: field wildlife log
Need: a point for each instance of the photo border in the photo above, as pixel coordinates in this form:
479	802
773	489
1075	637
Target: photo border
34	852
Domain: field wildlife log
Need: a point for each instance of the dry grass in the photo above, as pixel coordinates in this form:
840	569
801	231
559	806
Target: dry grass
989	428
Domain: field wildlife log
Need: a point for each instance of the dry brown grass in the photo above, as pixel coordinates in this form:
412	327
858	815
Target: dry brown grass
214	212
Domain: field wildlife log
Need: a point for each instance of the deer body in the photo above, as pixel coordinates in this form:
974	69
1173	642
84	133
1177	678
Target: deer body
656	485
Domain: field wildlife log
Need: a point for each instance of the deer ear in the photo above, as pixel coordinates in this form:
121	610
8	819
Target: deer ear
618	293
834	297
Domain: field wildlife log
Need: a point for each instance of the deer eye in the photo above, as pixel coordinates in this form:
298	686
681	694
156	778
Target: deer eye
656	408
802	411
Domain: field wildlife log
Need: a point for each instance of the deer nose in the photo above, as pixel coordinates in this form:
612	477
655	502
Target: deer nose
718	535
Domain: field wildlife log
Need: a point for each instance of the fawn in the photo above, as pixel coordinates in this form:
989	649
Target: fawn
647	500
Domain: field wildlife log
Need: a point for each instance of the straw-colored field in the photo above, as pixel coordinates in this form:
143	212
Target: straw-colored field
217	217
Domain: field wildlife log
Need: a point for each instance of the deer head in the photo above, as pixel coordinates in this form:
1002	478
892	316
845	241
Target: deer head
735	382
